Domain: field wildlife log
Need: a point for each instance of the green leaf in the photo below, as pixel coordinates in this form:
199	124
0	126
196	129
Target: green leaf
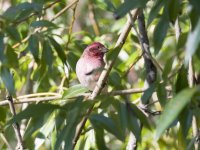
58	49
158	4
134	125
160	31
127	6
107	123
148	93
7	79
173	109
22	10
115	80
12	60
162	93
13	33
182	40
33	46
2	47
107	5
42	23
47	54
45	131
99	136
74	91
34	111
174	6
140	115
192	42
182	79
113	53
121	118
68	131
72	60
3	113
195	4
185	120
35	124
167	68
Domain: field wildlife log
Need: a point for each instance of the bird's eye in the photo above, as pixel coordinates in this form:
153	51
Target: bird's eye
98	47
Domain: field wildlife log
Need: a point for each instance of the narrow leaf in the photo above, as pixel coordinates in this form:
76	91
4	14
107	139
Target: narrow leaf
7	79
74	91
47	54
108	124
158	4
42	23
34	111
173	109
192	42
58	49
160	31
33	46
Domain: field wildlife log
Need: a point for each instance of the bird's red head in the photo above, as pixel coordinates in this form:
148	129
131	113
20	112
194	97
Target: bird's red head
96	49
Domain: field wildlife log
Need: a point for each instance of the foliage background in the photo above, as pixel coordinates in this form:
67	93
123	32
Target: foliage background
35	42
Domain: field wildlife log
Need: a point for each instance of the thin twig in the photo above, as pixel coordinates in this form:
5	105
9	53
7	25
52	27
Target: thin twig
40	97
64	9
104	76
72	24
15	125
93	20
129	68
194	119
125	92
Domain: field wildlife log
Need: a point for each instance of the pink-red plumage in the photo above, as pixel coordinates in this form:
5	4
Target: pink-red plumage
90	65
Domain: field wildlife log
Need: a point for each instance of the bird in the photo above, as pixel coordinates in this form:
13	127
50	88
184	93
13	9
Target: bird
91	64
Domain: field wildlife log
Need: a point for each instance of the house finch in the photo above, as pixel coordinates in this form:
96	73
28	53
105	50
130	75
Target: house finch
91	64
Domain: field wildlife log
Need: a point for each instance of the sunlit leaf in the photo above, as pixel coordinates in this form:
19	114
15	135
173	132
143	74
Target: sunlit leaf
158	4
99	136
192	42
172	109
11	56
68	131
34	111
74	91
3	114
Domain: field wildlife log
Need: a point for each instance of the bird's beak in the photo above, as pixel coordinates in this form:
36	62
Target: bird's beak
104	50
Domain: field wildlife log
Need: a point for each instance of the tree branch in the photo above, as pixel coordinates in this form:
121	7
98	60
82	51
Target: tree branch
150	67
104	75
41	97
15	125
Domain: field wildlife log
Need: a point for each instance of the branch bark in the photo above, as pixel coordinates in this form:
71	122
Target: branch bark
149	65
16	126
